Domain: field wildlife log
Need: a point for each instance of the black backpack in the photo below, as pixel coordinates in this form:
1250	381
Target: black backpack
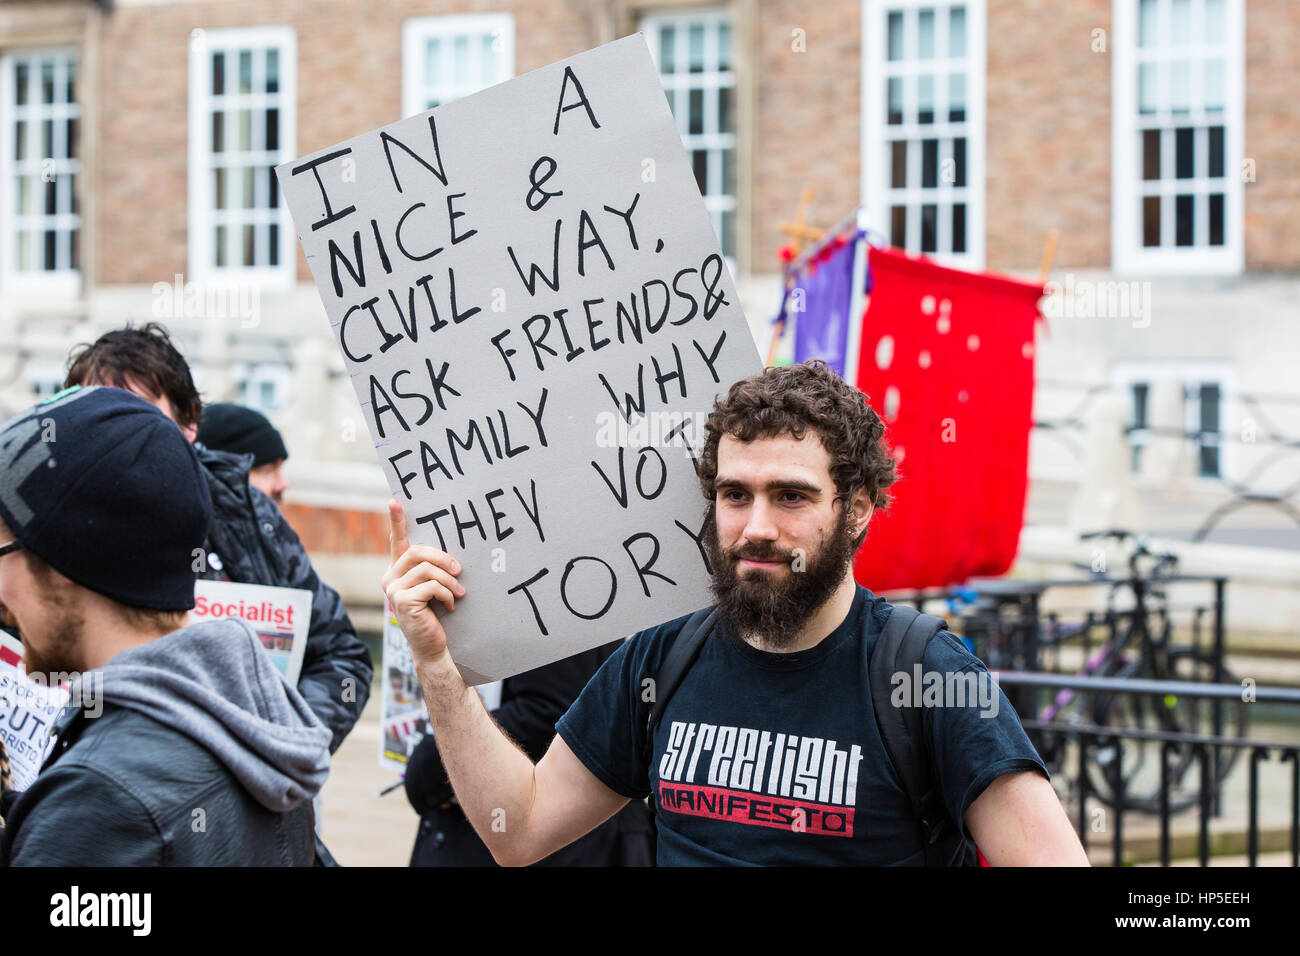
900	645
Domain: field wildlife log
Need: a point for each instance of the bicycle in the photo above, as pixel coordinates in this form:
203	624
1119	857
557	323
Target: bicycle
1127	772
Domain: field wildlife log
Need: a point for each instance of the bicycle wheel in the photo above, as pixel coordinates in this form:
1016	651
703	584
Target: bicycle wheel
1198	714
1132	766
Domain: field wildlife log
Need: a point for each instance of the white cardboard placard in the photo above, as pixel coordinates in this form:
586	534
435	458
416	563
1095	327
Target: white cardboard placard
534	311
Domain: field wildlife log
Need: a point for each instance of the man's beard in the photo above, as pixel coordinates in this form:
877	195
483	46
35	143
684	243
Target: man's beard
61	655
774	606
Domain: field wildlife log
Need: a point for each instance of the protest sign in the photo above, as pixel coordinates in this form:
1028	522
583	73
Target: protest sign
535	315
280	616
27	712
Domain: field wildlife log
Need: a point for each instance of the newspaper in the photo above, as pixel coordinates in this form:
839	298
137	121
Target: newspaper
280	616
27	712
403	717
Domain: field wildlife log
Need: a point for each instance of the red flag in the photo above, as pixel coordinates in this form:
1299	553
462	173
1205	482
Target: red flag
947	360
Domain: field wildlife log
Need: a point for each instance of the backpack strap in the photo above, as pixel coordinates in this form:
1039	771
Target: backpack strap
680	657
900	649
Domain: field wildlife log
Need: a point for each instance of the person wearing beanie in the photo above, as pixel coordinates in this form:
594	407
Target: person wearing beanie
243	431
248	541
103	508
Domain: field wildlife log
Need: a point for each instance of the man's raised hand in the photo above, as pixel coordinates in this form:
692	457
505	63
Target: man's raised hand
419	575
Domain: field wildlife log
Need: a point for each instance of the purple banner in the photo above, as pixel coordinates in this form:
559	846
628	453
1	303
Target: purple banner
820	301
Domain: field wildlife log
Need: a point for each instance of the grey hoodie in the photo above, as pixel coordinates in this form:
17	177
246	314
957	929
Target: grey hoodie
192	751
214	683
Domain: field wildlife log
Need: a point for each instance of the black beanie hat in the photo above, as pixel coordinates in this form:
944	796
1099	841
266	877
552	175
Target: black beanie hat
104	488
235	428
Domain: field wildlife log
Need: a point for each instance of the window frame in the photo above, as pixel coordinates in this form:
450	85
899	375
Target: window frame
875	190
1126	373
417	31
201	206
57	283
249	376
1129	256
1193	414
650	23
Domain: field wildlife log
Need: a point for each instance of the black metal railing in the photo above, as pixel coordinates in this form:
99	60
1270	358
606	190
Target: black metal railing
1007	628
1178	753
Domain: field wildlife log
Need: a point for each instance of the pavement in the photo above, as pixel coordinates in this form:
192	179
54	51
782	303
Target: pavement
360	827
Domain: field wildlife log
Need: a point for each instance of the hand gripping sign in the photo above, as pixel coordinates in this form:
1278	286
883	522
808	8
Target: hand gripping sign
533	309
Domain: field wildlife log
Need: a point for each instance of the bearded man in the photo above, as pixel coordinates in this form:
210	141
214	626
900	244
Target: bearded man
768	752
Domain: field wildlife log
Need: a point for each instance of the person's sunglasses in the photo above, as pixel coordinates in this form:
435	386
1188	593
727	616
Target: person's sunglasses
9	548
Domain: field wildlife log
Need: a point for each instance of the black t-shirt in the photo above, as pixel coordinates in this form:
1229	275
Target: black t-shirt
775	759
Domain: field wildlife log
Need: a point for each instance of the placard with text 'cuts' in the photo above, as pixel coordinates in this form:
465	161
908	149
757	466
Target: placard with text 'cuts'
534	311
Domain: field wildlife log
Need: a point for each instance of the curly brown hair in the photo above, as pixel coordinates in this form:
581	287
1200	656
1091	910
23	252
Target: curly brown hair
792	399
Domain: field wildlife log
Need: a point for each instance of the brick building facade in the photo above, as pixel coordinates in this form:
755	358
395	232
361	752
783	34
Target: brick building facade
798	118
969	128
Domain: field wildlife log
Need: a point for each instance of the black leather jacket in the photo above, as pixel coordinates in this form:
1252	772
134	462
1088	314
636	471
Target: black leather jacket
255	545
123	790
186	750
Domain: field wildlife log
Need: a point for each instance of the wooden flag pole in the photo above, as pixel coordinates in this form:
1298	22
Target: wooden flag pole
1049	253
1045	266
799	230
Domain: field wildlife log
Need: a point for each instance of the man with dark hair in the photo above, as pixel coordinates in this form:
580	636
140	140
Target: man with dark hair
145	362
181	745
770	750
245	431
248	541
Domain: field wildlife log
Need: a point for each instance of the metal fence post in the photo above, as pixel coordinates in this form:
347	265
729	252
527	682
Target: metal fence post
1252	835
1119	804
1207	801
1165	748
1220	590
1083	790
